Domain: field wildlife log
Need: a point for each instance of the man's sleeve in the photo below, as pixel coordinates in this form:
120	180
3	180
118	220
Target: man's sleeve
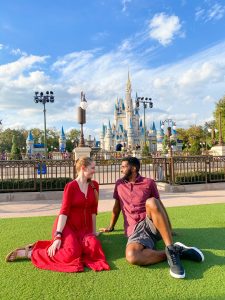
154	190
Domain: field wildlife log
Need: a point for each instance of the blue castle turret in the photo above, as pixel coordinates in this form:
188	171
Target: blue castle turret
30	143
160	133
62	141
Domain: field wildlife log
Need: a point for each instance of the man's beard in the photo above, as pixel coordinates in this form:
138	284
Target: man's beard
127	175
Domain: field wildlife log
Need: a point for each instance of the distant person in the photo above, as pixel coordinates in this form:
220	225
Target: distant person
74	244
137	147
119	147
146	222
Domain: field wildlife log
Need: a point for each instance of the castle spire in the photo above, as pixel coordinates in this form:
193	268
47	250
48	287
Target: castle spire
62	141
110	127
128	83
62	133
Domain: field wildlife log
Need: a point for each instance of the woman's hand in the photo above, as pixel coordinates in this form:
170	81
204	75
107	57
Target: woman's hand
54	246
97	233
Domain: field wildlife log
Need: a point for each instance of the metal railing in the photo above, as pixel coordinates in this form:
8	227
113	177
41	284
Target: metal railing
35	175
44	175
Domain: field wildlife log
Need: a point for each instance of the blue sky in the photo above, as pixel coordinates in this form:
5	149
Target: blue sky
174	50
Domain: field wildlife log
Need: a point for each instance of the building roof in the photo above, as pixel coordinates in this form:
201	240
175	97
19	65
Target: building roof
30	136
62	133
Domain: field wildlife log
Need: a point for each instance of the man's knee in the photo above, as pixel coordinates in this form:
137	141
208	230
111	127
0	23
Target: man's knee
132	257
152	204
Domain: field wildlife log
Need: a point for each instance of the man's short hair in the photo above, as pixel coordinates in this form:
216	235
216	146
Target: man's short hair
133	162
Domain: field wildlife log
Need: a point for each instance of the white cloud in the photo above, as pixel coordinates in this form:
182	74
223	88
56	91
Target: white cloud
208	99
100	36
125	4
18	52
203	72
34	79
125	45
159	83
184	91
24	63
73	61
164	28
213	13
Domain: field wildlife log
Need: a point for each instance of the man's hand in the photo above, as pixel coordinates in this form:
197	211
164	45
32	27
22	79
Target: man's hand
106	229
54	246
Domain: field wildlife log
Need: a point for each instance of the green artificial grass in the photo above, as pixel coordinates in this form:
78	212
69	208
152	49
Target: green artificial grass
202	226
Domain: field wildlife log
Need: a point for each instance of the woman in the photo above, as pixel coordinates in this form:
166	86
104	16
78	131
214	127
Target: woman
74	243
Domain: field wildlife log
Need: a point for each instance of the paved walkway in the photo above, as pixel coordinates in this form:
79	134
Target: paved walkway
11	209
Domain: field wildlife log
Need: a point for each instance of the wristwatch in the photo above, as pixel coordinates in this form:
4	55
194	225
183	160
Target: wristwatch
58	233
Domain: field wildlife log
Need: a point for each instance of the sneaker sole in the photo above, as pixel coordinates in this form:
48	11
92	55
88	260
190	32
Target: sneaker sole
194	248
177	275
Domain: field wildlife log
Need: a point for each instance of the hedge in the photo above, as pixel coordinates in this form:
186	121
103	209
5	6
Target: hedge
48	184
199	177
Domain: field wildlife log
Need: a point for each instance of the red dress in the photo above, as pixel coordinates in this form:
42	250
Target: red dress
79	246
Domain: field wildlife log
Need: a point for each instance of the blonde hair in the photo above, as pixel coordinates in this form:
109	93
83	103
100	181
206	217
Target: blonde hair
83	162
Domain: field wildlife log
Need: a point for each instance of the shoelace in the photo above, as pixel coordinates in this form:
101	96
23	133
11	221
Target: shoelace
173	257
179	249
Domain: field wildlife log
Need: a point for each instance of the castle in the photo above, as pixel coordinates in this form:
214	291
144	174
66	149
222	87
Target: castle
38	149
127	129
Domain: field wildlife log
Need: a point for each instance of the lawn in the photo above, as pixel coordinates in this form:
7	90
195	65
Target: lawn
202	226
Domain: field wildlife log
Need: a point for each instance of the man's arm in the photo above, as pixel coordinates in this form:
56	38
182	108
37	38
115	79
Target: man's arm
115	215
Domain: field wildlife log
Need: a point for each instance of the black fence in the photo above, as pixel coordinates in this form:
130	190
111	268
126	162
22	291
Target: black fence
35	175
45	175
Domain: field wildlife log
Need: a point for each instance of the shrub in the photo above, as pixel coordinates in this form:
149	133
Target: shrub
48	184
199	177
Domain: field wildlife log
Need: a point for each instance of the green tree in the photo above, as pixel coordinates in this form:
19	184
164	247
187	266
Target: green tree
145	150
182	135
72	139
195	136
52	139
6	138
165	144
220	110
211	138
15	151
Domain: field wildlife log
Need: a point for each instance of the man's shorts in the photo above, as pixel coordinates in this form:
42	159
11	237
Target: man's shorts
145	233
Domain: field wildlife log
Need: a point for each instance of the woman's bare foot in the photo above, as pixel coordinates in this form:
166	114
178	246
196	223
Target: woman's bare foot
23	252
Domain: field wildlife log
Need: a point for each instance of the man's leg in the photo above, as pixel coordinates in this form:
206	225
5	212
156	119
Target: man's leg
136	254
157	214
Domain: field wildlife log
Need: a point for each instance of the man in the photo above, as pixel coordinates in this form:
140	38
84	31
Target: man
146	221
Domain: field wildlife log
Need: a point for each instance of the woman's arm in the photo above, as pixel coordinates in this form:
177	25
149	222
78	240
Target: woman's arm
61	222
57	242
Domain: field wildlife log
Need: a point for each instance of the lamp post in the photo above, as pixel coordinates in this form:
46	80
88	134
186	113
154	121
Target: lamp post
82	118
170	124
145	101
44	98
220	128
